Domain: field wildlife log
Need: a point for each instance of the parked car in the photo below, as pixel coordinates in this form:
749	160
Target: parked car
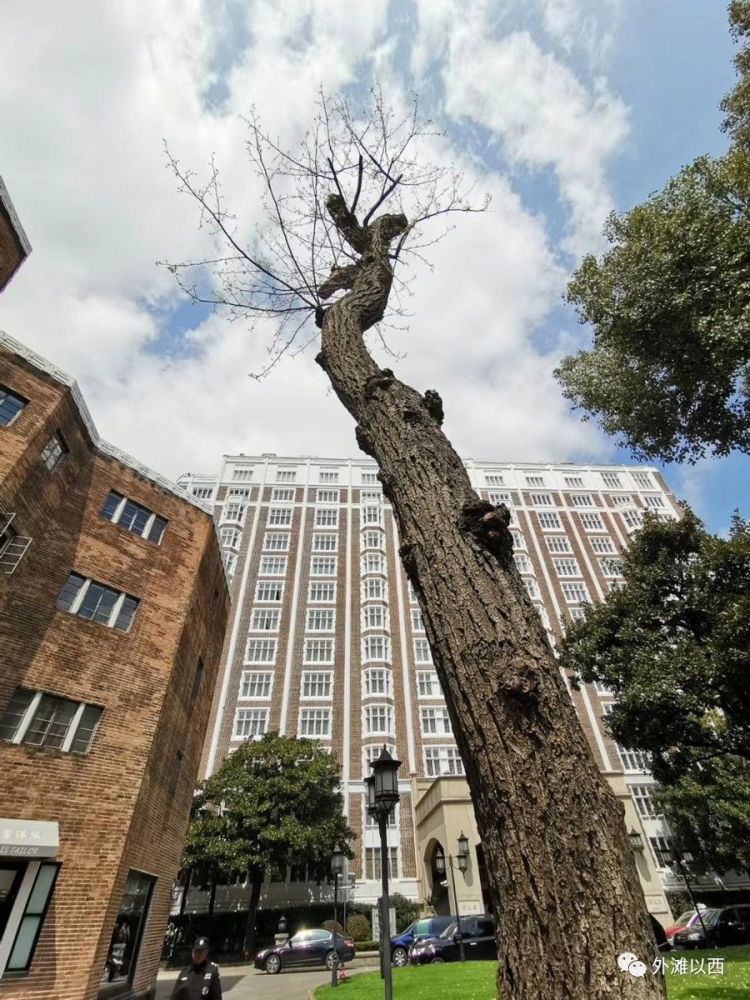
726	926
686	919
312	947
426	927
478	935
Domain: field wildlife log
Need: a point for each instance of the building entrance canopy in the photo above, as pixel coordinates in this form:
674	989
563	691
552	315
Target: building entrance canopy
28	838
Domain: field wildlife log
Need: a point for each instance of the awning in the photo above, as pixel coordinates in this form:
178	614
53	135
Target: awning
28	838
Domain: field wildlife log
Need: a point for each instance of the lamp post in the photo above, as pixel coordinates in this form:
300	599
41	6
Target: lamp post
382	797
462	861
337	867
678	859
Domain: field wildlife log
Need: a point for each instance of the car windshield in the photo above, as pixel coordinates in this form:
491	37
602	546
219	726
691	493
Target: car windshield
708	917
685	917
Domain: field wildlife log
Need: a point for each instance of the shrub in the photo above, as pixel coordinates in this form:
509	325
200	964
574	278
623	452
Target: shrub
407	911
358	928
329	925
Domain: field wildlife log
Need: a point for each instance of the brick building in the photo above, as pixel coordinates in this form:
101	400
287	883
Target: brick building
113	607
14	244
326	641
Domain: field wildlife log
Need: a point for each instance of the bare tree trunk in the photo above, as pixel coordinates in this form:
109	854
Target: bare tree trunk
566	892
248	939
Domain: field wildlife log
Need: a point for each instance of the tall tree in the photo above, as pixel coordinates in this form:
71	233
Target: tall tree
673	644
273	802
346	211
669	304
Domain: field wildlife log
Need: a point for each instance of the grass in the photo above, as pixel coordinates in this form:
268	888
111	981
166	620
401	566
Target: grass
476	981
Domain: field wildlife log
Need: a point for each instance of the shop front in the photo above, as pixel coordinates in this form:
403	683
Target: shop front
28	872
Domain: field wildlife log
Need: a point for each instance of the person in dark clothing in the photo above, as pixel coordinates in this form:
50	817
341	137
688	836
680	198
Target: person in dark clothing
200	980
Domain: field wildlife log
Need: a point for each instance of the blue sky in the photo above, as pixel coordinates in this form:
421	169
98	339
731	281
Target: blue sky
562	109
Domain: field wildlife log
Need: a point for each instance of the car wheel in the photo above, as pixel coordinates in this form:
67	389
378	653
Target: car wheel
273	965
437	960
399	957
330	958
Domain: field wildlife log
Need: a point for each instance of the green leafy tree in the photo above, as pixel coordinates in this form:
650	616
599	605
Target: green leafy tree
669	304
273	802
674	646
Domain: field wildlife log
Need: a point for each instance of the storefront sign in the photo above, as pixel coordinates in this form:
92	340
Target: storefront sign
28	838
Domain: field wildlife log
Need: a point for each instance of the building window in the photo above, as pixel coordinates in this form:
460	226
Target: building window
30	926
644	802
422	652
286	476
566	567
371	754
523	563
632	760
377	681
549	521
632	519
493	479
642	480
131	516
317	683
273	566
373	540
325	543
436	722
329	476
369	478
372	515
54	451
202	492
532	588
611	480
374	589
376	647
662	848
497	498
611	567
519	541
318	651
238	491
260	651
250	723
269	592
573	482
315	722
12	546
654	501
276	541
577	614
591	522
535	481
323	566
558	543
374	616
411	592
602	543
322	593
581	500
37	719
256	684
11	405
129	925
378	719
321	620
282	496
622	499
443	760
428	685
229	537
575	593
280	517
97	603
242	475
417	624
370	821
265	620
230	561
541	499
373	869
326	519
327	496
373	562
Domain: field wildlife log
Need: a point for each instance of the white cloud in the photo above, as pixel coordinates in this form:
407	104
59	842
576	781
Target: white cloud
91	89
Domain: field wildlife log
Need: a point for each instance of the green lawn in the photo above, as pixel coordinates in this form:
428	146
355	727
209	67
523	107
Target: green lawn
476	981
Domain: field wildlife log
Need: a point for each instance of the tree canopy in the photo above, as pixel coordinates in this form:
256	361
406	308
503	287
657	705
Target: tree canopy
669	304
674	647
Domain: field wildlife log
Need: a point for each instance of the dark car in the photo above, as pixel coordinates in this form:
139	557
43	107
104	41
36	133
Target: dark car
478	935
426	927
727	926
313	947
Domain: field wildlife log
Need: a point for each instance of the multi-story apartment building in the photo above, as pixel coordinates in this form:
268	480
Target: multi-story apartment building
14	244
326	641
113	607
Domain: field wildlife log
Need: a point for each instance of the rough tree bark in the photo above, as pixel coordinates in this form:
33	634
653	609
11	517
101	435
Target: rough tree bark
567	895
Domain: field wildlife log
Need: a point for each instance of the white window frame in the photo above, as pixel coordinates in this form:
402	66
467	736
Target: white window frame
376	649
377	674
265	614
279	517
267	649
428	685
252	716
567	567
327	517
324	566
591	521
319	651
378	710
421	650
447	758
435	721
317	615
273	566
262	678
325	542
575	592
373	611
549	520
312	680
328	585
276	541
316	716
277	586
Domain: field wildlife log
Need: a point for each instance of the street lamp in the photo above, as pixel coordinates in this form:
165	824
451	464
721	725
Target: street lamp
462	862
382	798
678	858
337	868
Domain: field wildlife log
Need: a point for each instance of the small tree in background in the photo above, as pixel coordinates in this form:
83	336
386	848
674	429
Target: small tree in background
273	802
673	644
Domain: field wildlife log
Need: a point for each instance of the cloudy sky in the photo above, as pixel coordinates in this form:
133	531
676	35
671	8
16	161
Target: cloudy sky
568	109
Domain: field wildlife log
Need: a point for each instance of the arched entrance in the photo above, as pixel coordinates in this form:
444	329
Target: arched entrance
438	896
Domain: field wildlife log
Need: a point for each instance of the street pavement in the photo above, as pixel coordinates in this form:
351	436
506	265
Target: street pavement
243	982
